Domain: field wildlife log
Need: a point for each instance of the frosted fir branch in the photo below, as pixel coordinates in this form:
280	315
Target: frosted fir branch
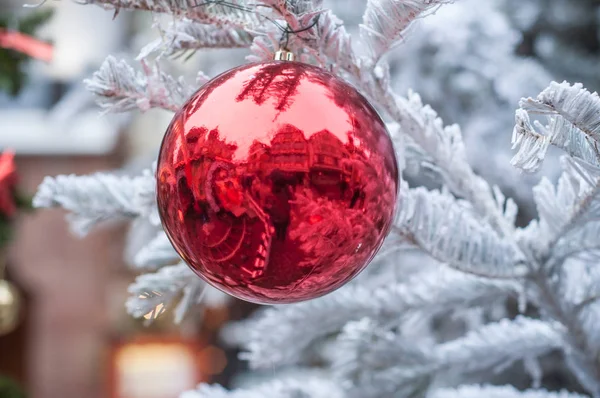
373	362
332	45
572	102
379	362
154	293
145	198
266	336
489	391
386	21
568	213
119	88
573	126
449	231
230	13
532	145
157	253
302	387
263	47
498	345
445	146
94	198
184	36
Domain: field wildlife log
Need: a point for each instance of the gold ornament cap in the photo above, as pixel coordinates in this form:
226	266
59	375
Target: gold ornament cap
284	55
10	307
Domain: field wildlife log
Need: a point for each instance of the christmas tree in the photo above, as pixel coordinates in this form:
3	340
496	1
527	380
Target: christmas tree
461	301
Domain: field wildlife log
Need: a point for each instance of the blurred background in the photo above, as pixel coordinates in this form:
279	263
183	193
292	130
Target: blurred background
472	61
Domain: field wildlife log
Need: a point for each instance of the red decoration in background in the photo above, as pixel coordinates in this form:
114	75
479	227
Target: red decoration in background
8	181
26	44
277	182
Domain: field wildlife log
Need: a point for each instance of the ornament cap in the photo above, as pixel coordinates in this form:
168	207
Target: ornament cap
284	55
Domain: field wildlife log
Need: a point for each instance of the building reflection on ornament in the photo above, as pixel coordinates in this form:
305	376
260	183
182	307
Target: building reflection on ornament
284	193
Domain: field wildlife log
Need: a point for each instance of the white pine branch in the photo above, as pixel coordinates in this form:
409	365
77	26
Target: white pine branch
302	387
568	213
450	231
572	102
573	125
186	35
157	253
386	21
266	336
232	13
499	345
153	293
379	362
489	391
119	88
95	198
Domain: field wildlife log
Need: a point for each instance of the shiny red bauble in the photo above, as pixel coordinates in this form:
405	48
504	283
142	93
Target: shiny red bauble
277	182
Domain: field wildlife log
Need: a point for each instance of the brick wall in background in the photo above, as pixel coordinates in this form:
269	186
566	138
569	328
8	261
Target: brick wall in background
67	278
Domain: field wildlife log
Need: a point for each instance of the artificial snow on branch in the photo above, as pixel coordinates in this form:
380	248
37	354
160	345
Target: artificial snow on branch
157	253
449	230
489	391
385	22
302	387
185	36
154	293
380	363
94	198
374	362
497	345
573	125
119	88
568	214
231	13
266	336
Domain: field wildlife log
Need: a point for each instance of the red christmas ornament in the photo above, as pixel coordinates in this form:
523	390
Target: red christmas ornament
8	181
277	182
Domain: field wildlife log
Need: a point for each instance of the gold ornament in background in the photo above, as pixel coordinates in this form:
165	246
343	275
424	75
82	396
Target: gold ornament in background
10	305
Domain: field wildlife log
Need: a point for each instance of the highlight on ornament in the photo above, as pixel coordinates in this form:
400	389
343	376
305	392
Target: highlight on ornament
277	182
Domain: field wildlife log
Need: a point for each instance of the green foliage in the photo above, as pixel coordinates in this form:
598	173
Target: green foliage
10	389
12	75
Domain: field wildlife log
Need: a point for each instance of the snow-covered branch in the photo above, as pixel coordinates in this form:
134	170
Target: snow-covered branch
266	336
489	391
96	198
450	231
186	35
154	293
157	253
379	362
573	125
385	22
312	387
119	88
569	214
231	13
497	345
